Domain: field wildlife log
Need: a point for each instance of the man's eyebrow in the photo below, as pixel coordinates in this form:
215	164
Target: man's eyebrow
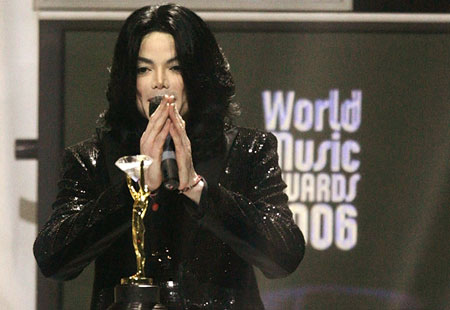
146	60
150	62
173	59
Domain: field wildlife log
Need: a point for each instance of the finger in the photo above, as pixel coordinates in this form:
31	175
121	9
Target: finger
156	123
161	138
161	112
180	131
176	118
183	157
166	99
154	175
180	118
177	141
153	145
153	107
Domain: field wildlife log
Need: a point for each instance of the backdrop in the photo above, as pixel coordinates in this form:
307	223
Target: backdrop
362	120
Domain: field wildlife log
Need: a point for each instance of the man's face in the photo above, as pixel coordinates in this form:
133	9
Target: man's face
158	72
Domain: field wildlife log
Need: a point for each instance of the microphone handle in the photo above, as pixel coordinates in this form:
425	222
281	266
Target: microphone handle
169	165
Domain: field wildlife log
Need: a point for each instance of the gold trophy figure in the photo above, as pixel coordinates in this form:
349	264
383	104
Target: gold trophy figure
140	205
137	291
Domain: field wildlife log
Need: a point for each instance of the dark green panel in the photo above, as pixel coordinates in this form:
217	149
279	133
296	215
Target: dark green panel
88	56
404	139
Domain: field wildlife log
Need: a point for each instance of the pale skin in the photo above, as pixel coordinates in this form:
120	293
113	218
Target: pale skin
158	74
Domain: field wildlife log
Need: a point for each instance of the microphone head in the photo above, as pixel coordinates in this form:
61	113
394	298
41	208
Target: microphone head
153	105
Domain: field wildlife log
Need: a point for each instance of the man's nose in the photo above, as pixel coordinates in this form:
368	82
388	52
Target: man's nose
160	80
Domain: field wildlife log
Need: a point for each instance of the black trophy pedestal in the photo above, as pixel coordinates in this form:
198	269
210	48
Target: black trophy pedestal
136	297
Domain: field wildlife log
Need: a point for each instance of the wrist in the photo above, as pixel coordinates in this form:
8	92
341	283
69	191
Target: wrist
194	191
198	178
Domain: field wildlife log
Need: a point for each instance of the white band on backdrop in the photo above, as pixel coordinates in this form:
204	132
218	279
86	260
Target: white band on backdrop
263	16
18	179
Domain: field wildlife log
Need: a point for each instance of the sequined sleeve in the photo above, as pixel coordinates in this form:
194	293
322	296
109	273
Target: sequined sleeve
248	209
86	217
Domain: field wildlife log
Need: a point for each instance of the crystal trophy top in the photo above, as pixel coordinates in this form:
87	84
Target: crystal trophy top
131	165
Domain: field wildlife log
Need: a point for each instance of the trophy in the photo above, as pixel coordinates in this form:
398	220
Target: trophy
137	291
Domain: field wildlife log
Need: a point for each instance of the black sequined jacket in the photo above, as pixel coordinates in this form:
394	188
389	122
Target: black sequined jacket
207	251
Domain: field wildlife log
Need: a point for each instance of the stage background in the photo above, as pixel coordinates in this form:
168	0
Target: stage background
21	28
372	197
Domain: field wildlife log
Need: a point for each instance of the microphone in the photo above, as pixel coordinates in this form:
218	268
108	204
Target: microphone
169	165
153	104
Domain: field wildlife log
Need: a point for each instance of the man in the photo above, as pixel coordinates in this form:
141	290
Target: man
229	212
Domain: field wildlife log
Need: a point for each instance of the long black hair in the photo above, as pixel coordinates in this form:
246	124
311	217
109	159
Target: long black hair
205	71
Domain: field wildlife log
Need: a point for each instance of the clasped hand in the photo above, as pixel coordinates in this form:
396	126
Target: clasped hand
166	119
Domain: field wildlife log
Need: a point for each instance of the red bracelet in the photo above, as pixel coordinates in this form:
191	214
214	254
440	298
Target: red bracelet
188	188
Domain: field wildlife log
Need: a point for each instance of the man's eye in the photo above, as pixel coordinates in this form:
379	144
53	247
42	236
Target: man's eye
142	70
176	68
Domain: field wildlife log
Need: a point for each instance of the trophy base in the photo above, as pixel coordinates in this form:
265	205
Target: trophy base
133	280
136	297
